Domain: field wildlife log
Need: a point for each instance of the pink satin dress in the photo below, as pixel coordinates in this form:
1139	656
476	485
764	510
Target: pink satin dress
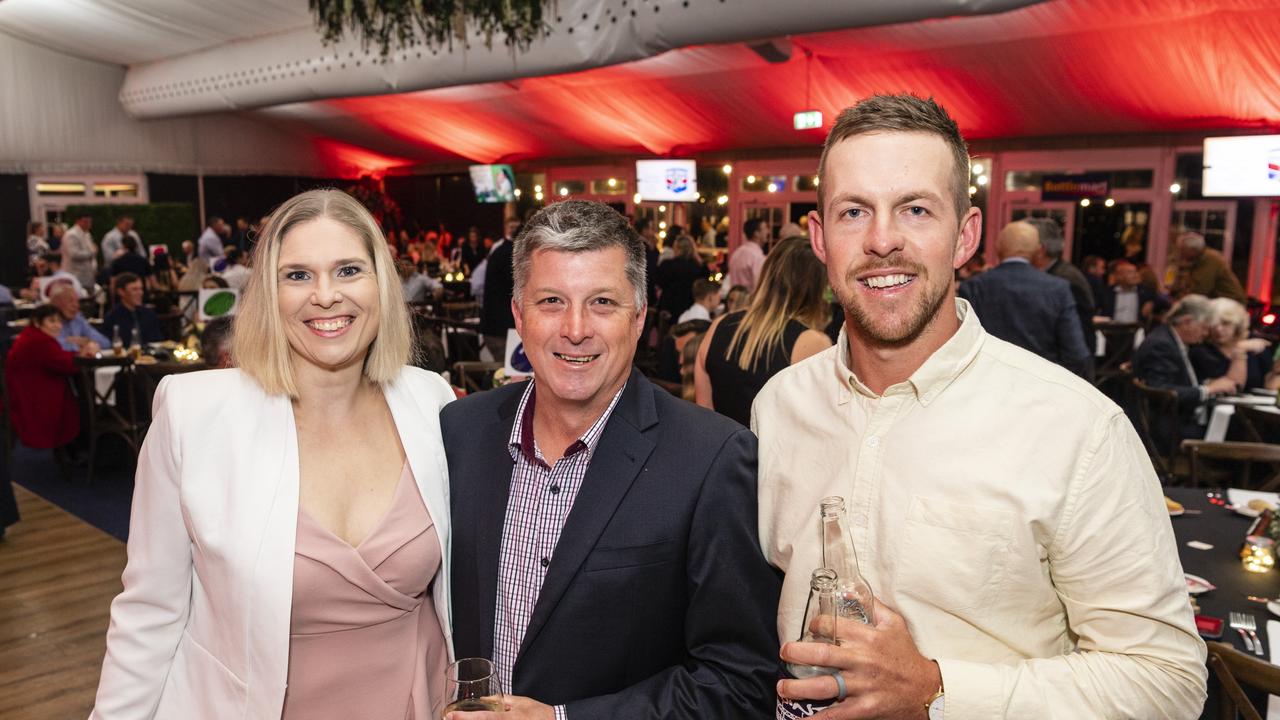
365	642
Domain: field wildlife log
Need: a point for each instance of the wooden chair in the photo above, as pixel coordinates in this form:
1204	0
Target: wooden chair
475	375
1247	453
1112	367
1160	438
1233	671
113	412
1259	425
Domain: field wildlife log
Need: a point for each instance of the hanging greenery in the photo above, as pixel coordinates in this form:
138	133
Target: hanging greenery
395	24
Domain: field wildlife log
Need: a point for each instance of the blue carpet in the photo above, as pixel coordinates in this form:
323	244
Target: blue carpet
104	504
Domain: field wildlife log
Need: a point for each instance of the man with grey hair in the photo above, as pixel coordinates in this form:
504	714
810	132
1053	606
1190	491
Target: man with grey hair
1162	362
215	342
604	530
1203	271
1050	260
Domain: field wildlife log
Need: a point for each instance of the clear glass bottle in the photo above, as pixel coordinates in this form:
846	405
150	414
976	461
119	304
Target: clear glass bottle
117	345
135	342
819	626
854	599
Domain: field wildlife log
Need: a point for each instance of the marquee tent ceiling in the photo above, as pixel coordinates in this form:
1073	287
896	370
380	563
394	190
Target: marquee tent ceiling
1061	67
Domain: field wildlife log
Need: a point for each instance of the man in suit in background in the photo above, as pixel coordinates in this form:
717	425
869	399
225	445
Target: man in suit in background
495	308
1161	361
1050	260
1128	301
1033	310
605	551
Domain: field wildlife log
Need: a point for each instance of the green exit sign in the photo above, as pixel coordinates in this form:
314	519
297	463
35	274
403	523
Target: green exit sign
808	120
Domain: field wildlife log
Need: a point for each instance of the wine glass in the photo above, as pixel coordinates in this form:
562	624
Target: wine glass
472	684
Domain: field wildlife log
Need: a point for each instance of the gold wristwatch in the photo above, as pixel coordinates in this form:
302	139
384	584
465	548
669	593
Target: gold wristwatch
934	706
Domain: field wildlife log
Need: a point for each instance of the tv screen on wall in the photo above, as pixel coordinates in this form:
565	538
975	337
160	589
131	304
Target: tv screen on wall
494	183
1245	165
667	180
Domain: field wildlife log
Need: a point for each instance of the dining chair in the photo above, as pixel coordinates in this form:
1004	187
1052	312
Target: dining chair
1119	344
1246	453
113	412
475	375
1233	672
1260	424
1157	412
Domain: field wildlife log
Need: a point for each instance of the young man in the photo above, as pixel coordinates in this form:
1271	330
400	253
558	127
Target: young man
604	535
706	298
1005	512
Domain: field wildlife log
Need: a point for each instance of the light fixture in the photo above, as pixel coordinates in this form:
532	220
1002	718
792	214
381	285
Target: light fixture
564	192
697	196
978	169
1109	202
537	196
973	189
772	187
662	234
1084	202
662	225
722	200
1269	319
1175	188
517	192
537	188
751	179
662	208
728	169
613	182
637	199
816	180
982	180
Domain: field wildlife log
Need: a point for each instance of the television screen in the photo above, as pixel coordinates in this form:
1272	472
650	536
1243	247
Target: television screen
494	183
1246	165
669	180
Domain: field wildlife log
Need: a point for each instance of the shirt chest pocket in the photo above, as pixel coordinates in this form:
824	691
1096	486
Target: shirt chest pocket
955	556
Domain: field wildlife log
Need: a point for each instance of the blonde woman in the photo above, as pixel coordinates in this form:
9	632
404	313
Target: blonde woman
1229	351
289	547
743	349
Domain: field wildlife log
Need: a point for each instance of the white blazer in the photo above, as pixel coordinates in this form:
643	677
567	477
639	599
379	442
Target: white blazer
201	630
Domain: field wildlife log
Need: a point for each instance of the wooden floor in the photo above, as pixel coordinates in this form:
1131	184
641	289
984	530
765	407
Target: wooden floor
57	578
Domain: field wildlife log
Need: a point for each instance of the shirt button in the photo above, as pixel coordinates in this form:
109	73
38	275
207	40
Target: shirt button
873	441
546	562
555	489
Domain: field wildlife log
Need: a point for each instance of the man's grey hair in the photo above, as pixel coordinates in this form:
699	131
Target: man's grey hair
1050	235
215	341
1191	240
578	226
1197	307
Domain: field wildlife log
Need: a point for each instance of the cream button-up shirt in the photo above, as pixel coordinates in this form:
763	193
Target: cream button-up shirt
1007	510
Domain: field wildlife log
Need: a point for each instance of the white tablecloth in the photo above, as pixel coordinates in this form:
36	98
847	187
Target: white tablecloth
103	377
1220	418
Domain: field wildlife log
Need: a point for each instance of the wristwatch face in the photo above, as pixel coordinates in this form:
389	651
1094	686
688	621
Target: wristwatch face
935	709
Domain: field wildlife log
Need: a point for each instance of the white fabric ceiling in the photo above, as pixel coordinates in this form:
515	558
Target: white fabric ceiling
188	57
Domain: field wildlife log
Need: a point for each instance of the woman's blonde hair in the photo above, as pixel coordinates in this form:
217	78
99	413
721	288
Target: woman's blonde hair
791	286
1226	310
260	347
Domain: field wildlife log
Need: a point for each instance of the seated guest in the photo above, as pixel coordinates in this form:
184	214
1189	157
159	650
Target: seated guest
418	287
130	313
49	265
431	261
782	326
671	351
129	261
42	408
1162	361
1229	351
193	277
77	334
214	282
737	298
1128	301
675	277
1095	273
236	274
706	298
1031	309
215	342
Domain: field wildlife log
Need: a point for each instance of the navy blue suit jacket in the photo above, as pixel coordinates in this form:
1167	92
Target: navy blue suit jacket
658	602
1031	309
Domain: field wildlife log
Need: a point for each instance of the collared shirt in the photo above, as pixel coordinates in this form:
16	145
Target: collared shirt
210	246
745	264
538	503
695	312
419	287
1006	509
79	327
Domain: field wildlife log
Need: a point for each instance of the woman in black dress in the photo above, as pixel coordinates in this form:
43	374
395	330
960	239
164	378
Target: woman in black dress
781	326
1229	351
